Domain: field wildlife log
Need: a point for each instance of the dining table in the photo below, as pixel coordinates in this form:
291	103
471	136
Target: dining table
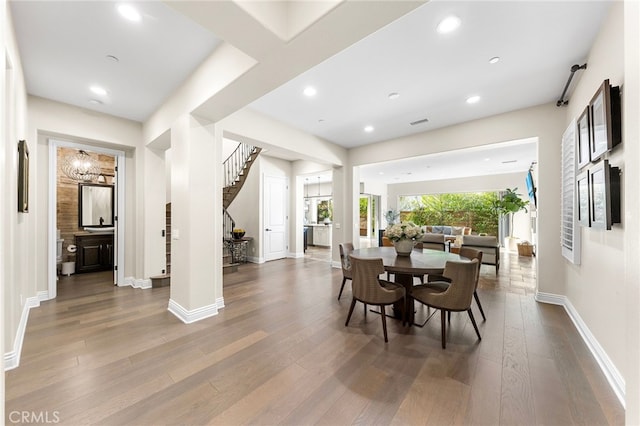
404	268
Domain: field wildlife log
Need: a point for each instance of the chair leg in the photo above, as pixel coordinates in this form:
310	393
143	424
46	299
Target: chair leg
449	316
344	280
443	320
473	321
365	310
475	295
353	304
384	322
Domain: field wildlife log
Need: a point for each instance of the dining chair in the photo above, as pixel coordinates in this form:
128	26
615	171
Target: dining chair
457	296
433	241
439	281
345	250
367	288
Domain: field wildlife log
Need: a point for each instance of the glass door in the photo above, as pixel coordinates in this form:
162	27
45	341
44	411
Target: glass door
369	220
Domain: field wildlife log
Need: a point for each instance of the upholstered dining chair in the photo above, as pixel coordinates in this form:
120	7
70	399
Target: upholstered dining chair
345	250
457	296
439	281
370	290
433	241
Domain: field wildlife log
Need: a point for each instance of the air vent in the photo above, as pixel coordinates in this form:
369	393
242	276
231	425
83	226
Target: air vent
509	161
424	120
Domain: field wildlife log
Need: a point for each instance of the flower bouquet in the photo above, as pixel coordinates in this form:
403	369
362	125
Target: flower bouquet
404	236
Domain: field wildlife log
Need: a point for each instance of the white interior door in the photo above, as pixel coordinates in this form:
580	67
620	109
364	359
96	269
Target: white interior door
275	217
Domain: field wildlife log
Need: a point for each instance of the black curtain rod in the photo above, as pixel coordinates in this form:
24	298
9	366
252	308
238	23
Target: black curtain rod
562	101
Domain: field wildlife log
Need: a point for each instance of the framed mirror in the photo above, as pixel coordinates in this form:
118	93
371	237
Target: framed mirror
95	205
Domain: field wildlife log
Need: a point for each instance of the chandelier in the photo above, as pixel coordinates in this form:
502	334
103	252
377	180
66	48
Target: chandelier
81	167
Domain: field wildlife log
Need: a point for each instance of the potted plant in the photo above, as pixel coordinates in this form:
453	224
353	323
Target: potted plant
404	236
509	204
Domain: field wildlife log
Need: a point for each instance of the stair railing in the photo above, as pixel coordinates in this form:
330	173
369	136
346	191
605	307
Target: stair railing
227	224
235	163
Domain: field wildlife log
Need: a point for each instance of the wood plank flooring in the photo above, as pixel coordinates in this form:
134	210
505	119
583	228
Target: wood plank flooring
279	353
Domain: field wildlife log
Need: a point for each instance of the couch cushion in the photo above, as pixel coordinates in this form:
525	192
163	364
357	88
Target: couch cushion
457	230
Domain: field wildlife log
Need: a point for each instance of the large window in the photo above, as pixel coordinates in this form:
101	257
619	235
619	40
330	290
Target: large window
474	210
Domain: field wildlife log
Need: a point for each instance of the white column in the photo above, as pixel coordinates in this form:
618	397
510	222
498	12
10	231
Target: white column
196	216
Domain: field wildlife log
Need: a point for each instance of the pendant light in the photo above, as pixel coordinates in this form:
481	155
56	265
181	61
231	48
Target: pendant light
81	167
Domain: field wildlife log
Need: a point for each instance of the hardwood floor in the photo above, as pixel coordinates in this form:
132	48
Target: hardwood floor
279	353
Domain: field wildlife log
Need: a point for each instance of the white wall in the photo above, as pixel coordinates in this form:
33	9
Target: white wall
594	287
631	134
18	237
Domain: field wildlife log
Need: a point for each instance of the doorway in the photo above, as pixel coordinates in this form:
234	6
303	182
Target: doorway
369	220
101	247
275	217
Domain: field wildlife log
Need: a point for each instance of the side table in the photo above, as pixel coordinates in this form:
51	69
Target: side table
238	249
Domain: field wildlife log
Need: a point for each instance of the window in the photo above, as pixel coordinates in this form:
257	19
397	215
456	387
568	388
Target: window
569	232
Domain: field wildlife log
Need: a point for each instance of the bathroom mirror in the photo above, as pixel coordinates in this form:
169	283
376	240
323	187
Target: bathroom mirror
95	205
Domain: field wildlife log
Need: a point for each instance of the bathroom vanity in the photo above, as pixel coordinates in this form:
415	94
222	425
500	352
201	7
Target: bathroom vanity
94	251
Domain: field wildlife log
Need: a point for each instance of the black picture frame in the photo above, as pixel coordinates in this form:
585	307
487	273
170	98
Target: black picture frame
23	177
604	193
583	141
605	120
583	197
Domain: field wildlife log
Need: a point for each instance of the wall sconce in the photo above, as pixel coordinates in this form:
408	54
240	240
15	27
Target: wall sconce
81	167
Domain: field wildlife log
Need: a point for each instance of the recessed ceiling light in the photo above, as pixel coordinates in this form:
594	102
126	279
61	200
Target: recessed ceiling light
310	91
448	24
487	159
494	60
473	99
394	95
380	173
112	58
95	101
98	90
368	129
129	12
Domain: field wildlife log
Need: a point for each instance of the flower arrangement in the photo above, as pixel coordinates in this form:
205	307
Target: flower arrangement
403	231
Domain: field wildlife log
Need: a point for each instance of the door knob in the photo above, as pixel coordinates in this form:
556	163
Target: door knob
267	229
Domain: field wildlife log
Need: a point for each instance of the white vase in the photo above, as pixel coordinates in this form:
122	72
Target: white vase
404	247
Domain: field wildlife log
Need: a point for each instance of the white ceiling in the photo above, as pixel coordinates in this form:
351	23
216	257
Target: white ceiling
64	45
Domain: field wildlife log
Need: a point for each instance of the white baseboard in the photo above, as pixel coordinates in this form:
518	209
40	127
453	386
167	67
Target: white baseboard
12	358
43	295
336	264
615	379
254	259
187	316
143	283
220	302
297	255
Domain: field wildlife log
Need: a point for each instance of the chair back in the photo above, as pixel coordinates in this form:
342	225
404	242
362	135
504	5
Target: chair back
366	286
458	296
471	254
345	250
433	241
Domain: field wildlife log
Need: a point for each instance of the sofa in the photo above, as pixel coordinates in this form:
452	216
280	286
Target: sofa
446	230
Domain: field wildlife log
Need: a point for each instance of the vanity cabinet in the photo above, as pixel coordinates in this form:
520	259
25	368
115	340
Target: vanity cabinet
322	235
94	252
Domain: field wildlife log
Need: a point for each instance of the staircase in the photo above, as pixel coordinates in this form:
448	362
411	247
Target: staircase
236	169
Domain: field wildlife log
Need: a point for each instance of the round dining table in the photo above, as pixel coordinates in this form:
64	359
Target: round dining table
404	268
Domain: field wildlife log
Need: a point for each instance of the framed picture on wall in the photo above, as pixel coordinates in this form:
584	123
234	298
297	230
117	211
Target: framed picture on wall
23	177
605	120
583	148
582	193
604	192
